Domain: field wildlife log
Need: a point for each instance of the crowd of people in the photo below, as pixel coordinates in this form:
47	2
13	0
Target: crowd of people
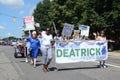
39	43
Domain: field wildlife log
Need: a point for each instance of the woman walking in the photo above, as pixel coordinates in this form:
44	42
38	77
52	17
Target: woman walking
34	47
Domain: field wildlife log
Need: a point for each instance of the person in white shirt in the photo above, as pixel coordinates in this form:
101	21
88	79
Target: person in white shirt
46	48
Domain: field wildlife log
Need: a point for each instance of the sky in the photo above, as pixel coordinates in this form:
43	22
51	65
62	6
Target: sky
14	8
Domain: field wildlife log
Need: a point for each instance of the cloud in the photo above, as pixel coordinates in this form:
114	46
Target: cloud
9	34
21	12
12	3
2	27
32	10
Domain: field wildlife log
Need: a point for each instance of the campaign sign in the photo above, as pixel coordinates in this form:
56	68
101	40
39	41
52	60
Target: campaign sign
67	30
84	30
29	23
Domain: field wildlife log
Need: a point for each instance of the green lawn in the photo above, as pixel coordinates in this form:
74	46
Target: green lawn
117	51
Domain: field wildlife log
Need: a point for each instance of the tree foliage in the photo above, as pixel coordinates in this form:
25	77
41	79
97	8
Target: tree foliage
41	13
98	14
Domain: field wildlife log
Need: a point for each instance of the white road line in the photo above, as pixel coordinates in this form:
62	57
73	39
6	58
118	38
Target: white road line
110	65
113	65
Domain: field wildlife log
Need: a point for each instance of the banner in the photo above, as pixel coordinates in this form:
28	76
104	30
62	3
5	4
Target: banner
84	30
67	30
77	51
29	23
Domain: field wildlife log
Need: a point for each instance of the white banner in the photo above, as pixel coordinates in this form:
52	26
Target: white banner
77	51
67	30
29	23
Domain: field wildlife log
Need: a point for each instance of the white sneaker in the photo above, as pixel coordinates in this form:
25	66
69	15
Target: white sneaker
26	60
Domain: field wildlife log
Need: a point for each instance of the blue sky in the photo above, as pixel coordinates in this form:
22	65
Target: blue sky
14	8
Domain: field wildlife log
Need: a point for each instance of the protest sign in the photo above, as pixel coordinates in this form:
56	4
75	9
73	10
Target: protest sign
84	30
76	34
29	23
37	24
67	30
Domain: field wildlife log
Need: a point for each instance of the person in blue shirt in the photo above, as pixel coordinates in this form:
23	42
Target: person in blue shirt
34	47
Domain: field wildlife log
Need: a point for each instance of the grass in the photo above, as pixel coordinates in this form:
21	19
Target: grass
117	51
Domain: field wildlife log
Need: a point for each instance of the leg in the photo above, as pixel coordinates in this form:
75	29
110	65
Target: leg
49	52
44	57
34	62
100	64
104	66
27	54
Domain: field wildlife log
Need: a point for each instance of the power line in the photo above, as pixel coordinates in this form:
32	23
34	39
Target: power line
8	15
14	17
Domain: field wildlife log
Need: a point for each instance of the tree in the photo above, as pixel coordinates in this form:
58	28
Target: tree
41	13
98	14
10	38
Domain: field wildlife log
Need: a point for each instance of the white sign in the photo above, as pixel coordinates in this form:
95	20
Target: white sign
67	30
29	23
84	30
70	52
37	24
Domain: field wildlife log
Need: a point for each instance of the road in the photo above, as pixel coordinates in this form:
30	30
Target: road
16	69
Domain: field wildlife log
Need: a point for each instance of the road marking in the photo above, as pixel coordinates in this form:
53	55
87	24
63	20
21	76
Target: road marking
110	65
113	65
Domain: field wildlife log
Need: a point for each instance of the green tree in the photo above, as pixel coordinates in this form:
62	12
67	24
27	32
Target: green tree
98	14
10	38
41	13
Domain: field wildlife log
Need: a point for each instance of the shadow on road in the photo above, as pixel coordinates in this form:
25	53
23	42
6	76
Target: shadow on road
67	69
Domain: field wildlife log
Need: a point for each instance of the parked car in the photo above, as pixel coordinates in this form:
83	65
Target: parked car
13	43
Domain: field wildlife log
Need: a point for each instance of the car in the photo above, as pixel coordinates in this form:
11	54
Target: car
13	43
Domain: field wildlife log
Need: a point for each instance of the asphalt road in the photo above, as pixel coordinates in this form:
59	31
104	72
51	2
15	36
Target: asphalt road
16	69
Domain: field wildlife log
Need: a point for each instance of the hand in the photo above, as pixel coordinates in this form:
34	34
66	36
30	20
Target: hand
94	34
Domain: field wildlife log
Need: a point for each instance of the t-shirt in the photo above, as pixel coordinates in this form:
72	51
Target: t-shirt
34	43
46	40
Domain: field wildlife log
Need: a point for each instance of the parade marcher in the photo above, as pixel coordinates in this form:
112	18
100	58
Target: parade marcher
40	39
58	37
46	48
34	47
27	47
101	37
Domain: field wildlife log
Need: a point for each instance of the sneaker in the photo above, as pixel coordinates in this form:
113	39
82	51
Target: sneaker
26	60
104	66
100	66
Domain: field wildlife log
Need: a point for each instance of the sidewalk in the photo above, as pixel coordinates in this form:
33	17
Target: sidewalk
7	71
114	54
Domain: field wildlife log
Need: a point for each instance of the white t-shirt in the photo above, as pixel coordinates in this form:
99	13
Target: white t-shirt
46	40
